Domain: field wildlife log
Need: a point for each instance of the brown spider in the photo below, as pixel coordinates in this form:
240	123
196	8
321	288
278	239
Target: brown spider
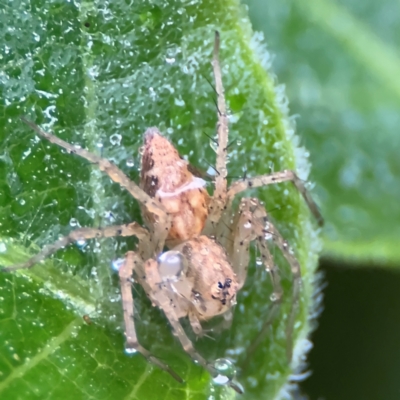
207	263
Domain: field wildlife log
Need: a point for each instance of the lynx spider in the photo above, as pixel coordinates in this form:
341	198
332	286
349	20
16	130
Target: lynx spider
208	258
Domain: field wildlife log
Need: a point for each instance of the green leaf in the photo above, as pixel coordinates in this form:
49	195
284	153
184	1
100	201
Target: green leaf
340	61
98	75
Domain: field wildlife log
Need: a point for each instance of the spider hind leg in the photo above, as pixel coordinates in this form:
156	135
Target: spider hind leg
251	223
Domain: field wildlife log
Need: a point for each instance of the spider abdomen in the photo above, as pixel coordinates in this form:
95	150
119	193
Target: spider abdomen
214	281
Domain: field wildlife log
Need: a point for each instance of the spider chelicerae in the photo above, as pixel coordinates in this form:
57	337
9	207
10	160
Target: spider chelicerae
206	264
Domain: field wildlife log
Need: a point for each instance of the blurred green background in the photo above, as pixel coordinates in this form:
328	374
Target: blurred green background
340	62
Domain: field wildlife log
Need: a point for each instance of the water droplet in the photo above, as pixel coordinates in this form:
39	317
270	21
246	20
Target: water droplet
117	264
73	222
81	242
109	215
26	153
115	139
99	145
179	102
247	225
211	171
130	350
258	261
238	142
22	202
130	163
170	265
226	371
267	235
223	172
274	297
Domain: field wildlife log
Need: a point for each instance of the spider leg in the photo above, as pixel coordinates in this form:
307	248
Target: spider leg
152	205
195	324
277	177
132	229
266	230
222	125
132	345
218	201
187	345
246	227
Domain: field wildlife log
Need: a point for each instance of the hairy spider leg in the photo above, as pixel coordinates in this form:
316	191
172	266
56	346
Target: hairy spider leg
195	324
247	227
218	201
222	124
152	205
132	229
132	344
266	230
277	177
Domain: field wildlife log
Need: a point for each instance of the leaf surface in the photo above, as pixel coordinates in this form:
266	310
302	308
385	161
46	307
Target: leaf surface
97	75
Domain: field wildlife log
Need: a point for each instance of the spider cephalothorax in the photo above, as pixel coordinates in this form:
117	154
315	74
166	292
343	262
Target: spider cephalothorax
166	177
208	241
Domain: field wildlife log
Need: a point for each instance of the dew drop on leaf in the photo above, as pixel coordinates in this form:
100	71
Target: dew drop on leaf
130	163
226	371
115	139
73	222
117	264
130	351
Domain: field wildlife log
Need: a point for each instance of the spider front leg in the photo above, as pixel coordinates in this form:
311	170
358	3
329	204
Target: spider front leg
132	229
218	201
277	177
152	205
132	345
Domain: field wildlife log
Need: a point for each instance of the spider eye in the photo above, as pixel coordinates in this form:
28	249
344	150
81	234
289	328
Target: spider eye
170	265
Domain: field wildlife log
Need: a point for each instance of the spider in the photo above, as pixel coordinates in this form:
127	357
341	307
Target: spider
208	244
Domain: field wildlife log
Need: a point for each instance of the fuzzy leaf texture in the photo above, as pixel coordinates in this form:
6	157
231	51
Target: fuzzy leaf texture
98	74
